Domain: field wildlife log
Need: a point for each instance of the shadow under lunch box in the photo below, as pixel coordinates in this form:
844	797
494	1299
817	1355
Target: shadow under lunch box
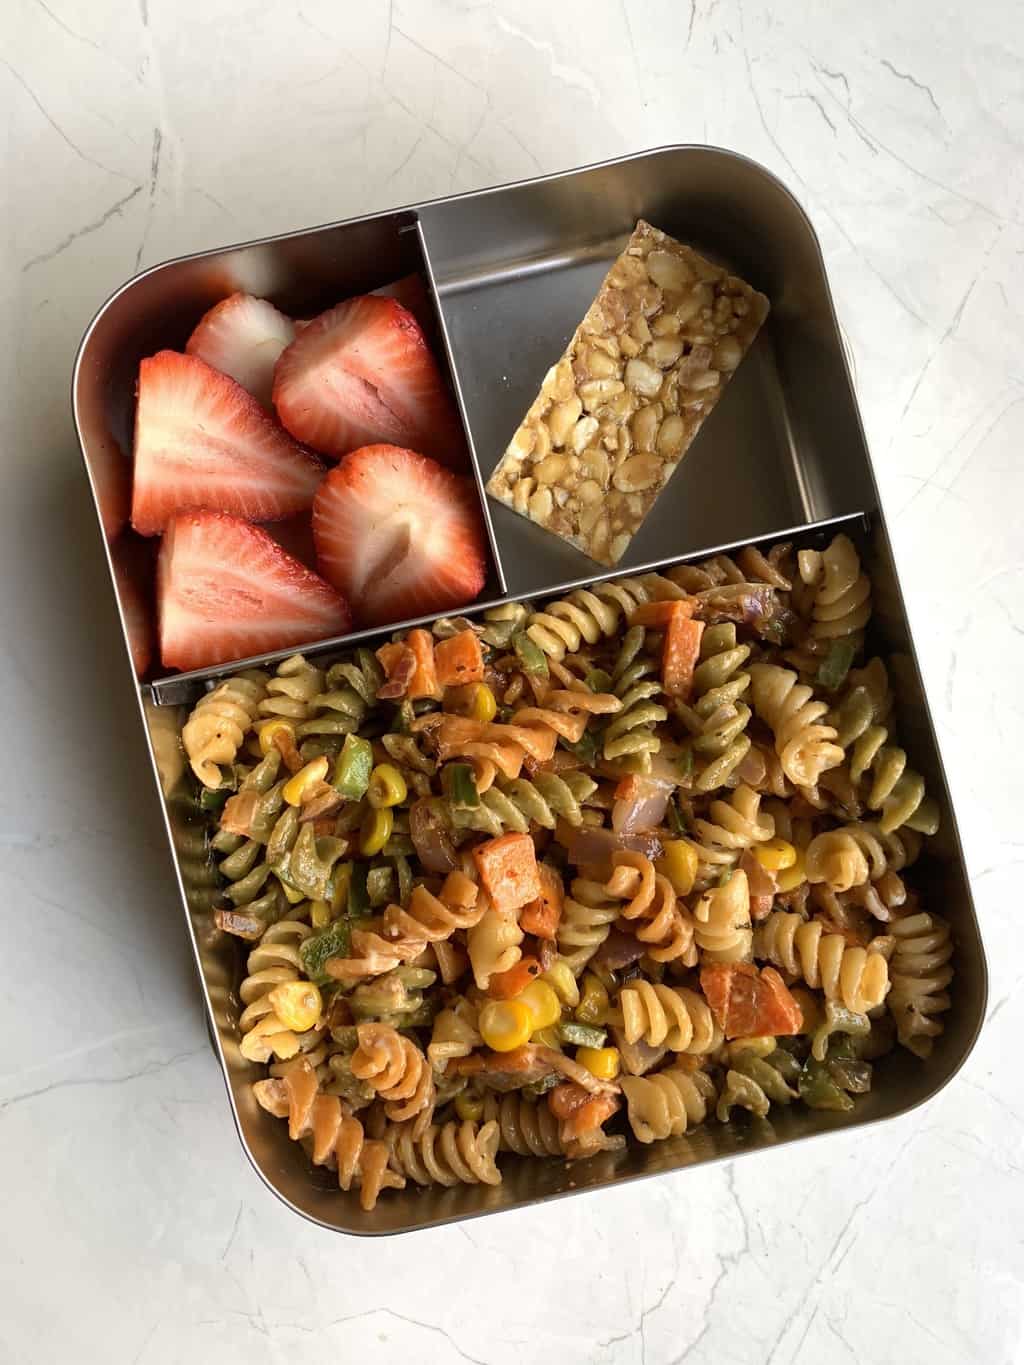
511	271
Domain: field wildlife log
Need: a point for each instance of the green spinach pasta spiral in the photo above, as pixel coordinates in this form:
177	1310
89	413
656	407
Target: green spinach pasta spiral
718	716
630	734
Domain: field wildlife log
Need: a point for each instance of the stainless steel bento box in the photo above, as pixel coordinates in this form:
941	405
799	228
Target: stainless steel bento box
511	271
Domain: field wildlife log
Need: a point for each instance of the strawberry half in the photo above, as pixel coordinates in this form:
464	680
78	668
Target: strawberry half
243	337
411	293
362	372
202	441
227	590
399	535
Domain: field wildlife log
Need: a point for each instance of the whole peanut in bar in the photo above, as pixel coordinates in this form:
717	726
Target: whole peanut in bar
622	406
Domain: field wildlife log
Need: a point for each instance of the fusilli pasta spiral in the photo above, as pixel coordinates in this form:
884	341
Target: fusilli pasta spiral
668	1104
649	899
717	719
397	1070
453	1154
593	614
921	971
631	733
215	731
672	1016
805	746
722	920
273	962
527	1127
858	977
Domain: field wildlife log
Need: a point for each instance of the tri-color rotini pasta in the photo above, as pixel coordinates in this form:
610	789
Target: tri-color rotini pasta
606	868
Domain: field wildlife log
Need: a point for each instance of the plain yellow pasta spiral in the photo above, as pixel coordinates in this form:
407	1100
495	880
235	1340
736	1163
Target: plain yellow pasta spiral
805	746
397	1070
668	1104
527	1127
588	914
730	827
452	1154
842	598
921	971
273	962
662	923
216	729
493	945
454	1033
593	614
858	977
722	925
846	857
673	1016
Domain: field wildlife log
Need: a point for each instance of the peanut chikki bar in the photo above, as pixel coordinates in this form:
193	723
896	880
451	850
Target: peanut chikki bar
624	403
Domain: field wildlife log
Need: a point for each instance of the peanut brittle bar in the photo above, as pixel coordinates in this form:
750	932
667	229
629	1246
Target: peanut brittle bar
622	406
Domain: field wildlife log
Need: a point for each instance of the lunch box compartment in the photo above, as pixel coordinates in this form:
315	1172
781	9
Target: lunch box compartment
782	456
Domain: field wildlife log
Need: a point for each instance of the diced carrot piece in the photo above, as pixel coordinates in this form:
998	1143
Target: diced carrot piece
658	615
507	985
508	871
542	916
589	1117
628	788
749	1003
424	680
780	1013
680	655
564	1100
459	660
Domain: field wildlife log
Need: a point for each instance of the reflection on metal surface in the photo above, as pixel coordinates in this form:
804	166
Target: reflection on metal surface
784	454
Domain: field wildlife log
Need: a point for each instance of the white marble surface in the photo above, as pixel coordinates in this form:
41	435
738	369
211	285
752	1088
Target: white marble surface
140	129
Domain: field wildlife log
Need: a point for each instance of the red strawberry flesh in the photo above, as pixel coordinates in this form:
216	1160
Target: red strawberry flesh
361	373
242	337
227	590
398	535
202	441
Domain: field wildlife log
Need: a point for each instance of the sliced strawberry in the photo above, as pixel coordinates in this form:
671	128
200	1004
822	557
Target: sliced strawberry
399	535
243	337
411	293
133	573
362	372
202	441
227	590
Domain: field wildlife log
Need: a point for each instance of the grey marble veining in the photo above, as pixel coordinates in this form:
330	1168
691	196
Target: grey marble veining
142	129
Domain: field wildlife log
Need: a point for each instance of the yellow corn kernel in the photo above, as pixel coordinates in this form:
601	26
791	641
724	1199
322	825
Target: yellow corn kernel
543	1004
271	728
297	1004
505	1024
602	1062
319	914
561	980
291	895
593	1002
791	877
469	1106
267	1039
387	787
483	706
775	855
375	831
296	788
679	864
